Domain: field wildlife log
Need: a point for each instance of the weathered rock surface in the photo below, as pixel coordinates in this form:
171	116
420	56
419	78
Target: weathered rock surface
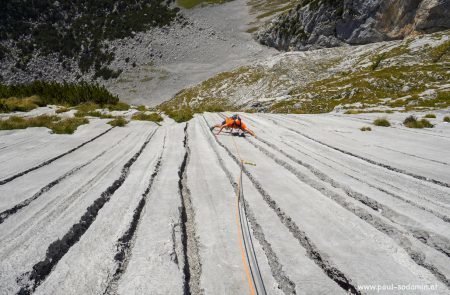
326	204
329	23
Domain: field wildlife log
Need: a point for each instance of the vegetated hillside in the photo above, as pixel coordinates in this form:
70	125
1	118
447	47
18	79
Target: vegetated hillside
71	34
316	24
386	76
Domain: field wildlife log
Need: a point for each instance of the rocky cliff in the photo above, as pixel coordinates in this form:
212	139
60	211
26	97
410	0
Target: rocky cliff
328	23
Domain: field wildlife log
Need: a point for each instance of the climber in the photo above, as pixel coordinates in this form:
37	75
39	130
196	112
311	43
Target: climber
233	122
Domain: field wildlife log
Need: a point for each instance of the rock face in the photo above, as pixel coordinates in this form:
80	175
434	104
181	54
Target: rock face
316	24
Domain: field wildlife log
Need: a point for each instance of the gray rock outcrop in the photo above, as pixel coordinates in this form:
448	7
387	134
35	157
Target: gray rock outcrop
328	23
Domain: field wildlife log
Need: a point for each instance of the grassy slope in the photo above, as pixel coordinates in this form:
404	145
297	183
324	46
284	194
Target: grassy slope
89	100
381	84
55	123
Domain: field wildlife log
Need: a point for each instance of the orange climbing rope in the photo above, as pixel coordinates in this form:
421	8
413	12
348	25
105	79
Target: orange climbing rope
243	255
246	247
238	221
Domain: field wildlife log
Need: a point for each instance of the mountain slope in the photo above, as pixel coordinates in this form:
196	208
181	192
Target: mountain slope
396	75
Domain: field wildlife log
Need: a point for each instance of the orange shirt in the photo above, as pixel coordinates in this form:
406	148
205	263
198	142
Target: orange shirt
229	122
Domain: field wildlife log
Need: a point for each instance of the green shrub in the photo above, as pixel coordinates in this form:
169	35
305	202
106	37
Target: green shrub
153	117
366	128
70	94
69	125
118	122
412	122
15	122
62	110
447	119
426	123
57	125
430	116
120	106
87	107
141	108
381	122
180	115
91	109
93	114
14	104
